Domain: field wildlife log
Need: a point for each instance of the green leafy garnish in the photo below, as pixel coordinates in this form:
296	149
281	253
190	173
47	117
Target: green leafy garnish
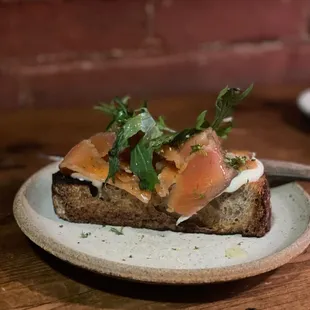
152	134
201	122
141	122
224	130
227	99
141	165
236	162
141	156
85	234
183	135
195	148
118	109
116	231
157	143
161	123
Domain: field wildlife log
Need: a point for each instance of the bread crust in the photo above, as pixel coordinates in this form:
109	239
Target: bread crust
246	211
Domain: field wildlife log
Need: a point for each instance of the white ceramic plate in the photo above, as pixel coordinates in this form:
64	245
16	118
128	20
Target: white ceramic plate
164	257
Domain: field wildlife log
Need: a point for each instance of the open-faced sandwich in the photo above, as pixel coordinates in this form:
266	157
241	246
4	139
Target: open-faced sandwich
140	173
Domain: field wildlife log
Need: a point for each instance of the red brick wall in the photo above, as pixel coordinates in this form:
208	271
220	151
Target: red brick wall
77	52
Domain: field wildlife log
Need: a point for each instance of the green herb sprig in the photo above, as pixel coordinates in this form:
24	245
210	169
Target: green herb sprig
236	162
116	231
118	109
85	234
226	101
196	148
128	123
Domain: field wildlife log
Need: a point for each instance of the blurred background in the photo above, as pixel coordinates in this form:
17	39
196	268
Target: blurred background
73	53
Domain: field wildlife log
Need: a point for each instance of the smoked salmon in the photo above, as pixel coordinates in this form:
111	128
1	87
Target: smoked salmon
86	161
103	142
196	176
181	155
167	178
86	158
204	174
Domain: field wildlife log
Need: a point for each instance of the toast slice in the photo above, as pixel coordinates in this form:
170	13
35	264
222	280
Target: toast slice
246	211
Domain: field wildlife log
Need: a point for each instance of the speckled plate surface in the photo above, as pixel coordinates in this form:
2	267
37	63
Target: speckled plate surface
164	257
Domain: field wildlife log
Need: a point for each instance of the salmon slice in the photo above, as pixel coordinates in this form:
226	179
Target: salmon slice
204	177
173	155
167	178
103	142
181	155
130	184
85	159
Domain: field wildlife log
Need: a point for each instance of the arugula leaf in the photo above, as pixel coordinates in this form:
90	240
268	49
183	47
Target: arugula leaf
128	123
150	128
118	109
141	165
161	123
141	157
227	99
183	135
157	143
142	154
224	130
201	122
129	129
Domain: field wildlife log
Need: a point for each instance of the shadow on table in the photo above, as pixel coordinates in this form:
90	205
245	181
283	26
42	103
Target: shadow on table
154	292
8	189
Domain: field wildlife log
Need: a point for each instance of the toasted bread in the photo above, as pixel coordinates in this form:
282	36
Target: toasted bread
246	211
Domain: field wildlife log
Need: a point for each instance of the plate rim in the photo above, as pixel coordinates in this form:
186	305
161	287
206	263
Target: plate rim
152	274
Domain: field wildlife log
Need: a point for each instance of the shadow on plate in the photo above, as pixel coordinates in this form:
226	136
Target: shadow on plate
161	293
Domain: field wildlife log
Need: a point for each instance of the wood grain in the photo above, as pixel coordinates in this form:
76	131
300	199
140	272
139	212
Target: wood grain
33	279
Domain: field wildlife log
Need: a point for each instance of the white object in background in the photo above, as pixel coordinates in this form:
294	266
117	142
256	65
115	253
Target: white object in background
303	102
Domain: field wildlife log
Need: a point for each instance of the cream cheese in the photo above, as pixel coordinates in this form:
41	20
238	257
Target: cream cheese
246	176
95	183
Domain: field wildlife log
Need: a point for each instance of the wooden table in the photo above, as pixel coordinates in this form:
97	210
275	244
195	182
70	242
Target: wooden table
33	279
